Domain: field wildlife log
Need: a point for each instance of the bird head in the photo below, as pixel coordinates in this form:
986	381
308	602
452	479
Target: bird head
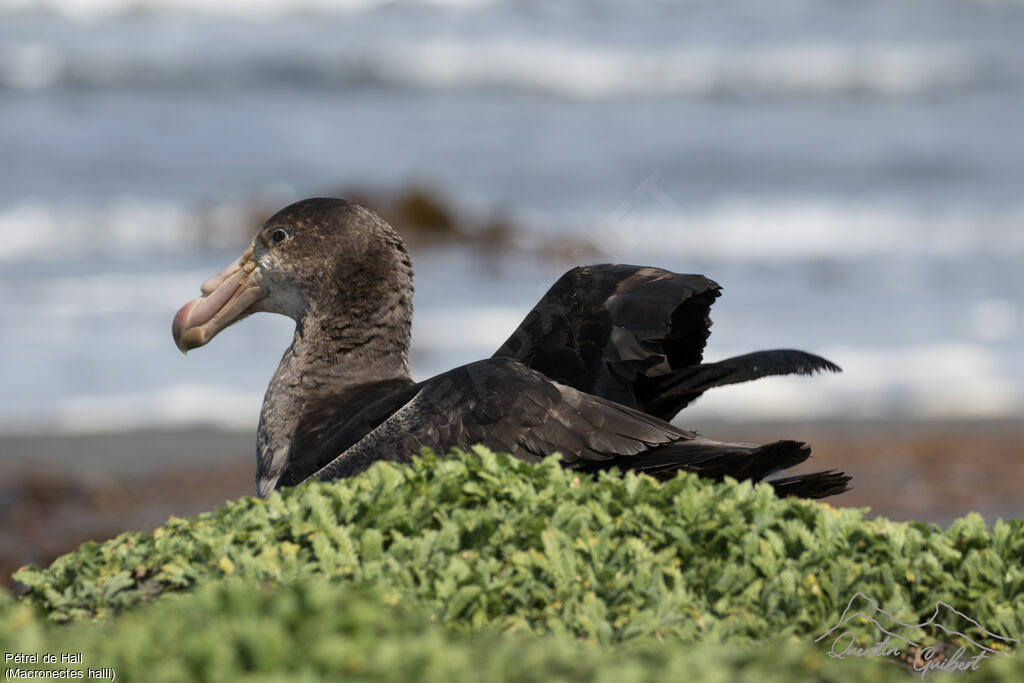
314	253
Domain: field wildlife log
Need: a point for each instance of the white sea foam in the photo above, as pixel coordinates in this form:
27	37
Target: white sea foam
244	8
940	381
38	230
583	71
475	327
784	230
178	405
768	231
559	67
928	381
278	8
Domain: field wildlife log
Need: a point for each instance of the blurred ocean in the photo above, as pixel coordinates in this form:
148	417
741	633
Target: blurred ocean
851	172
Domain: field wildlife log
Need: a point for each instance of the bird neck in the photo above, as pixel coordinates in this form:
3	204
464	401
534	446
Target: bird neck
331	351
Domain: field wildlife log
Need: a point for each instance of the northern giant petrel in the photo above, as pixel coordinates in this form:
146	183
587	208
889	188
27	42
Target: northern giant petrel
342	397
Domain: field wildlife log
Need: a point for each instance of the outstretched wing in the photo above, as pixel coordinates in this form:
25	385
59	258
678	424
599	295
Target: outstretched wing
636	335
665	395
510	408
600	328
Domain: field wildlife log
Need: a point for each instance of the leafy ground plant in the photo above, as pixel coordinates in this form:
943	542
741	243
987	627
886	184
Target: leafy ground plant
316	630
482	544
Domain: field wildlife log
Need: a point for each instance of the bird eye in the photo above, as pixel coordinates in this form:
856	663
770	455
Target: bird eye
279	235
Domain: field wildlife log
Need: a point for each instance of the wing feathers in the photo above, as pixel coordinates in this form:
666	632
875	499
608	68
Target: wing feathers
508	407
759	364
635	335
671	393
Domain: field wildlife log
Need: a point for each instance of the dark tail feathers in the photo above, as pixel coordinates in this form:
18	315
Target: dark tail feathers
719	460
813	485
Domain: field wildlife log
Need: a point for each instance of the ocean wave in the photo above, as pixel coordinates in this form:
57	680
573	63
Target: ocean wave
565	69
794	230
41	231
783	230
590	73
881	383
280	8
235	8
926	381
179	405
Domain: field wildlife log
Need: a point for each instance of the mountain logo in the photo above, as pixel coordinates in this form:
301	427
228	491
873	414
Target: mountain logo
899	641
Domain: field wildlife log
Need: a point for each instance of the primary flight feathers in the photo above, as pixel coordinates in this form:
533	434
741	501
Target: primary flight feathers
636	335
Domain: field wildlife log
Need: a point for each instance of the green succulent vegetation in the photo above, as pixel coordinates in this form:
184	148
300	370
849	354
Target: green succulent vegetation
478	566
